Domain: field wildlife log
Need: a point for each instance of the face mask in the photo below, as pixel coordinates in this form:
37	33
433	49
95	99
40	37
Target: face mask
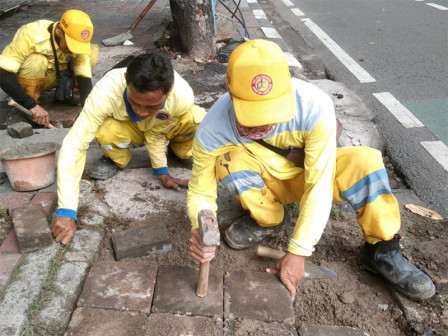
254	133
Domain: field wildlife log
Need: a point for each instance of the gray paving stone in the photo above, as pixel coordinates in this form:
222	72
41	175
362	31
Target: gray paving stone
253	327
175	292
323	330
141	241
7	264
24	290
85	246
100	322
169	324
31	226
119	286
20	130
257	296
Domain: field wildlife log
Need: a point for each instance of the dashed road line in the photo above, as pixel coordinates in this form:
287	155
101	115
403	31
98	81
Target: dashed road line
297	11
438	151
288	3
362	75
259	14
436	6
401	113
251	1
292	61
270	32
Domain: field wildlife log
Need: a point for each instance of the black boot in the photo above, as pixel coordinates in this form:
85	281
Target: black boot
103	169
245	232
187	163
385	258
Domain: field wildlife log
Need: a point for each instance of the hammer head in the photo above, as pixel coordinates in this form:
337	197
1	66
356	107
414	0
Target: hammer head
208	227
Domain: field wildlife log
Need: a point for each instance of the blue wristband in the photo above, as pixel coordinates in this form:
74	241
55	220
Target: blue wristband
160	171
67	213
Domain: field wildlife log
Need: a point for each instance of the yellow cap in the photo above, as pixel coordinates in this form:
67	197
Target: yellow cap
259	82
78	31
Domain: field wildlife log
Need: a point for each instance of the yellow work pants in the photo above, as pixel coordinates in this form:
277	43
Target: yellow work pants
115	136
360	179
37	66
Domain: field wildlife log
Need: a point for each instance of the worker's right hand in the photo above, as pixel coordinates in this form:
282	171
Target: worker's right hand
40	115
291	269
198	250
63	229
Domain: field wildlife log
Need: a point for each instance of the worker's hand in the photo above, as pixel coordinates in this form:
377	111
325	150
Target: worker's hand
198	250
172	182
63	229
297	155
291	269
40	115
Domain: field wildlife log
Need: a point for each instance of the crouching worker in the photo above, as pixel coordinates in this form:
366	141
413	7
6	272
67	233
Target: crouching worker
145	103
44	55
272	141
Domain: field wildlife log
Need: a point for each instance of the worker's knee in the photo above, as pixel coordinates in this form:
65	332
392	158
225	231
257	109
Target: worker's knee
234	161
362	158
35	66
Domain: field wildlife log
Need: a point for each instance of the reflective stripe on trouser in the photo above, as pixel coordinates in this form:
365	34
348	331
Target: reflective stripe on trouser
361	179
115	136
38	66
182	135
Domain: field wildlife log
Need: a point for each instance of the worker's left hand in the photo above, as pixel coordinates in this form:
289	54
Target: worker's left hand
172	182
291	269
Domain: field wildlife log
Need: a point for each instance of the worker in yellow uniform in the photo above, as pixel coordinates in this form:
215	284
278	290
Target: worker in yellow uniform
272	141
145	103
44	55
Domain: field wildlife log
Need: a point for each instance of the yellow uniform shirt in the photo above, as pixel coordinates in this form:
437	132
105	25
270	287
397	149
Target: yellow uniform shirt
313	128
106	101
34	38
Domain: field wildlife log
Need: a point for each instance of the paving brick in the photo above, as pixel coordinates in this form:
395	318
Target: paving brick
7	263
175	292
84	246
20	130
14	200
31	226
252	295
323	330
119	286
138	242
100	322
46	200
10	244
253	327
169	324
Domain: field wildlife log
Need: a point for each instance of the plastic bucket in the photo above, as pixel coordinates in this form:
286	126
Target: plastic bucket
30	166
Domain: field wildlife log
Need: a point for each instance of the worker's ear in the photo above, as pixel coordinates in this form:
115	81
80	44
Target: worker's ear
171	89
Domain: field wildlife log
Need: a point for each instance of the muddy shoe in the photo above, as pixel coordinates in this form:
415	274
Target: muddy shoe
385	258
187	163
103	169
245	232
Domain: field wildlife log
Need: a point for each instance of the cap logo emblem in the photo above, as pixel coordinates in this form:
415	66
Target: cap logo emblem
262	84
85	35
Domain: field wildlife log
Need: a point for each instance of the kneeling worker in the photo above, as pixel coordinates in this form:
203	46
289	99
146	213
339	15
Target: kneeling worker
145	103
44	55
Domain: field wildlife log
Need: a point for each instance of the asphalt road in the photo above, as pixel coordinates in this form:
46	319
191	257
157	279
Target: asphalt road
394	55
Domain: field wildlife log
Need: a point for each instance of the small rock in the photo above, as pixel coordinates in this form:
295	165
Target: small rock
346	298
396	313
383	307
20	130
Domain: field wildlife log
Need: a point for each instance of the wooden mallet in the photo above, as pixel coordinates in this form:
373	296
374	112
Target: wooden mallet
209	231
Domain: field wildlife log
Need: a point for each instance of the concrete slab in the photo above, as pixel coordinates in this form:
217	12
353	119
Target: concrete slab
250	295
31	226
7	264
138	242
169	324
100	322
175	292
85	246
10	244
323	330
254	327
119	286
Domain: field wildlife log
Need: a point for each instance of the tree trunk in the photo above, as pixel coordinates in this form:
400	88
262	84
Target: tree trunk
194	22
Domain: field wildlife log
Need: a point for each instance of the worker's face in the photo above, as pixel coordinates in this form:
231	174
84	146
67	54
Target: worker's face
61	41
145	104
254	133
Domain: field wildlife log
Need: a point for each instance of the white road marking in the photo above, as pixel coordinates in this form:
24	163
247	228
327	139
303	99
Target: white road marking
292	61
251	1
259	14
288	3
270	32
297	12
436	6
403	115
362	75
438	151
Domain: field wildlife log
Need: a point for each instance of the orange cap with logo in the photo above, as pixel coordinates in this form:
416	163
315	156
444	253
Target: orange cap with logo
78	31
258	80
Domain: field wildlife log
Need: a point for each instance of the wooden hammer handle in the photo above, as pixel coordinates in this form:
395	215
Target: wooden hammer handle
263	251
27	112
202	288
